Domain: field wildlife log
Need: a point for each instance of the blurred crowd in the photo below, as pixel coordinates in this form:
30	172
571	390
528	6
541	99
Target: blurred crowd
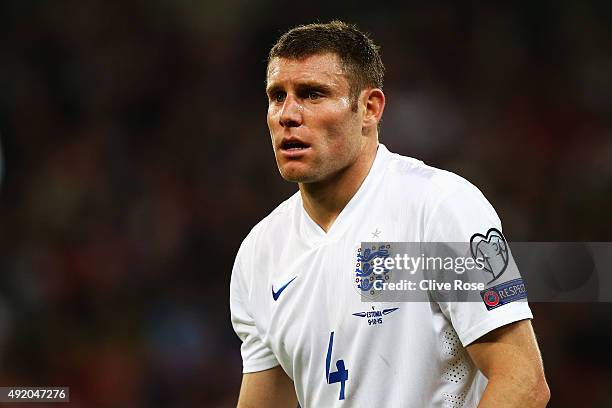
136	159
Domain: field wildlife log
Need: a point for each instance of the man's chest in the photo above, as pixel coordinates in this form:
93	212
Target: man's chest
307	295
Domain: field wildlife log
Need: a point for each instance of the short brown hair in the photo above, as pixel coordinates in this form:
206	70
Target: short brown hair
359	56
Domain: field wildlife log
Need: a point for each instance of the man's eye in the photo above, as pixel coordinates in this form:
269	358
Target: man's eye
278	97
313	95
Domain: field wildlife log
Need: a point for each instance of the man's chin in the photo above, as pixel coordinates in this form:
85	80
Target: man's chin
296	175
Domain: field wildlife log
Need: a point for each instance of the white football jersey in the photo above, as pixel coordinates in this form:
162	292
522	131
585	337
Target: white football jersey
294	300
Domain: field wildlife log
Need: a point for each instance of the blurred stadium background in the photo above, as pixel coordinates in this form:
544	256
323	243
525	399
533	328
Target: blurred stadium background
137	158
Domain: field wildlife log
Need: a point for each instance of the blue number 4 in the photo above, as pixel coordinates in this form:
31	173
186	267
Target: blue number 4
341	375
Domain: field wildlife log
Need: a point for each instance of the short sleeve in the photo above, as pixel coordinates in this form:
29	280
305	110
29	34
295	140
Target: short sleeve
457	218
256	356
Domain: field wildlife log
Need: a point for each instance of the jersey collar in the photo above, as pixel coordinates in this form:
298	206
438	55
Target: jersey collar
312	232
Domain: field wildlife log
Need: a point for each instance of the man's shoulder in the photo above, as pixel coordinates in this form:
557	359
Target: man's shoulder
418	179
450	206
280	217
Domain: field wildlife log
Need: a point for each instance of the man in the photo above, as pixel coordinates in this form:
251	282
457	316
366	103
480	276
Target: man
292	296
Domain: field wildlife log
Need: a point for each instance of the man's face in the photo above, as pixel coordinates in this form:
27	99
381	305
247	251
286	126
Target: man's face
315	132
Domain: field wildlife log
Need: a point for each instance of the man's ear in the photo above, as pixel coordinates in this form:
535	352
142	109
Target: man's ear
374	101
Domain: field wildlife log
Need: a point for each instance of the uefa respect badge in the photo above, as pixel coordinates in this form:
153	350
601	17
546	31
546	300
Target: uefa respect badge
504	293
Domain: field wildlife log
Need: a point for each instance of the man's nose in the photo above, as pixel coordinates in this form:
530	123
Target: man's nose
291	114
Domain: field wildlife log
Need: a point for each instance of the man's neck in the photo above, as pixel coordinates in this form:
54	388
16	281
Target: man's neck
325	200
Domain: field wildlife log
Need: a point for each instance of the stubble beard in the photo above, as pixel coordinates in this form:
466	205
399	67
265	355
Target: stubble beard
308	175
320	170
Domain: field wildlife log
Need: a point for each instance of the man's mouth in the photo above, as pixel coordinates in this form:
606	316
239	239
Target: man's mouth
294	145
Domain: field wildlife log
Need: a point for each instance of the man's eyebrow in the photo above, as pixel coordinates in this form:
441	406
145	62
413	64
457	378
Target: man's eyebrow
272	88
314	85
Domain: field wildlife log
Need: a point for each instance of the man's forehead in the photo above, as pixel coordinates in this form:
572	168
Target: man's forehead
325	67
